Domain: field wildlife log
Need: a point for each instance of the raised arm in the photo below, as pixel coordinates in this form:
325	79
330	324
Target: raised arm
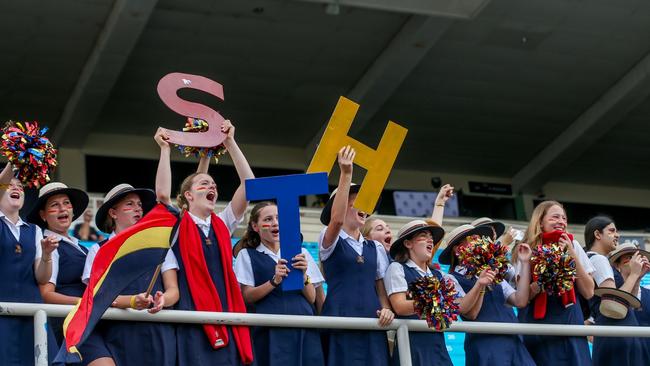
164	172
446	192
5	179
340	205
239	202
521	296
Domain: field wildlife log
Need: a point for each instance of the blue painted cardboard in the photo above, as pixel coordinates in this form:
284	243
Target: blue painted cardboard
285	190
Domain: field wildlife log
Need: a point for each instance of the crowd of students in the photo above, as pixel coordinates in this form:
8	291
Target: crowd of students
367	270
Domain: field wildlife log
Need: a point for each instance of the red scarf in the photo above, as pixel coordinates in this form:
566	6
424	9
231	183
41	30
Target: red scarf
569	297
204	293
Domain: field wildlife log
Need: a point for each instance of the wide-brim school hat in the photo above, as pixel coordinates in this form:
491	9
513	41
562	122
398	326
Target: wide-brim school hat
411	228
78	198
614	303
458	235
498	227
326	214
147	196
626	248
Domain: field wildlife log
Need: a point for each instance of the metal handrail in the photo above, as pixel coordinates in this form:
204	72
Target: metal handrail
403	326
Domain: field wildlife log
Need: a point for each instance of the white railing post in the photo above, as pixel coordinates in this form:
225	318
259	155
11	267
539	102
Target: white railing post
404	345
40	338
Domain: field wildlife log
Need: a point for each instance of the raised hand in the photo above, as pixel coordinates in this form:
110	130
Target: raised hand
346	158
524	252
228	128
567	244
445	193
161	137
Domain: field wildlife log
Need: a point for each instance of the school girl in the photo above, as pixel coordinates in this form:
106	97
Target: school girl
25	262
260	270
547	217
601	238
493	303
56	208
354	269
137	343
206	280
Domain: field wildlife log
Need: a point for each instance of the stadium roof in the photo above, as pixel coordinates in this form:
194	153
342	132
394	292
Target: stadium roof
534	90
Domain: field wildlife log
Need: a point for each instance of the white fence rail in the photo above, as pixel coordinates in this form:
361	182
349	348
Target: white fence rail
403	327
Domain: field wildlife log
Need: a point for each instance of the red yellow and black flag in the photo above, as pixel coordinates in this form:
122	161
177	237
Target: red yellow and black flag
121	260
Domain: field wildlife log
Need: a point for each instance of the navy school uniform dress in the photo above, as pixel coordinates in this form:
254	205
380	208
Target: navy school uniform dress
18	284
68	279
427	348
643	314
193	348
71	260
617	350
141	343
493	349
282	346
556	350
352	293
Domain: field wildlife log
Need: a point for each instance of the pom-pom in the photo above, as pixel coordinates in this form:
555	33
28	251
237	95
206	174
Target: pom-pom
433	300
199	125
553	268
31	153
481	253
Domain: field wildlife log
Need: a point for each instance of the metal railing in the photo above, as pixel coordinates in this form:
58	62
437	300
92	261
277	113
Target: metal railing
403	327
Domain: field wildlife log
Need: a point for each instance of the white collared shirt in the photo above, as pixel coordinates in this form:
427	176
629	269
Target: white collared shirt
357	245
227	216
603	270
15	230
395	280
63	240
244	267
170	261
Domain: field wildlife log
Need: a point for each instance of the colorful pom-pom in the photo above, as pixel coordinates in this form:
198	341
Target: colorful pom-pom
31	153
553	268
434	301
481	253
199	125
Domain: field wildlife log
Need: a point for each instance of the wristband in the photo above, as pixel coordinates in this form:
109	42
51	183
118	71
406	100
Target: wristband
133	302
273	283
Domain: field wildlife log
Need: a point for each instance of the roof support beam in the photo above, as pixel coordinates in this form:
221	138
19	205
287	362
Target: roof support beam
463	9
121	32
611	108
396	62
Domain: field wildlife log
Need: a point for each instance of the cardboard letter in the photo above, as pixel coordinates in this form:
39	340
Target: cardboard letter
285	190
378	163
167	88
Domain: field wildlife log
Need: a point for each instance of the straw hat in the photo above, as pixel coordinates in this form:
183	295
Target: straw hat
626	248
78	198
614	303
498	227
326	214
459	234
411	228
147	196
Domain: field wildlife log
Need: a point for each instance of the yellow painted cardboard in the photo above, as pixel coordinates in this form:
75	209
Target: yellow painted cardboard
378	163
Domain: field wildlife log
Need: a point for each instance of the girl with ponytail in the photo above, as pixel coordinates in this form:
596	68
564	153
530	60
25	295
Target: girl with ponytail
260	270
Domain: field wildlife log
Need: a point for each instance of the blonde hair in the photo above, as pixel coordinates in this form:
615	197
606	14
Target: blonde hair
367	227
533	235
185	186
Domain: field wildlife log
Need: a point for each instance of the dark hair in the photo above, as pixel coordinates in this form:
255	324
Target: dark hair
597	223
251	239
